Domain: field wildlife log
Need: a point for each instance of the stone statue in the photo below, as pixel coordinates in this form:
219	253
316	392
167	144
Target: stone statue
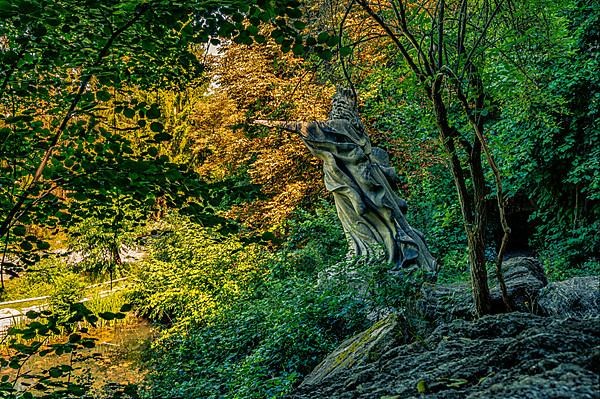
362	183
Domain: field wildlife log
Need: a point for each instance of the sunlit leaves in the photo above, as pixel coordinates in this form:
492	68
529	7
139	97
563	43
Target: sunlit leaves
255	83
204	268
49	50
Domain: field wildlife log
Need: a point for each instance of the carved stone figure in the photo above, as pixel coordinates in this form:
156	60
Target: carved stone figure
362	183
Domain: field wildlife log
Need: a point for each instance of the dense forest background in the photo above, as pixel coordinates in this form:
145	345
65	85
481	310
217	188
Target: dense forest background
129	126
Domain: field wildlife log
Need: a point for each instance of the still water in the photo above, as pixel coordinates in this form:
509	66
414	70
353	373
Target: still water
117	357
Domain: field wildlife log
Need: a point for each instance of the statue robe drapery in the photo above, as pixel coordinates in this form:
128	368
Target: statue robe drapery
360	178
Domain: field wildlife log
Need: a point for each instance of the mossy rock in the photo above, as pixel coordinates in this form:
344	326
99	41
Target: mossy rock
505	356
524	278
358	350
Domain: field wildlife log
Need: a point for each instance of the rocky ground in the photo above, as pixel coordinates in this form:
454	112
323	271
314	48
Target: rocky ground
549	348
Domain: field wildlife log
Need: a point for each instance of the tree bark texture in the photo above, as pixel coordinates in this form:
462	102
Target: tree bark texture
472	203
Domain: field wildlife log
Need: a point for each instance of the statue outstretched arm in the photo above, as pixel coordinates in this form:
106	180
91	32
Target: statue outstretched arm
293	126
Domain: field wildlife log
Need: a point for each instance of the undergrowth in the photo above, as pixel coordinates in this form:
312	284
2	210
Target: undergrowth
259	341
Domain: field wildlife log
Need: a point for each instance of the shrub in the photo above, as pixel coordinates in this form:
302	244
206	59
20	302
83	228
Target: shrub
67	290
193	273
304	302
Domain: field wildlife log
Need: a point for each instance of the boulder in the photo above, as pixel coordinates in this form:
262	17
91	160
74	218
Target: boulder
575	297
515	355
524	278
357	351
549	348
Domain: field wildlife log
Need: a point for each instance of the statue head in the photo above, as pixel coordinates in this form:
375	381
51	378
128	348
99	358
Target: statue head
344	106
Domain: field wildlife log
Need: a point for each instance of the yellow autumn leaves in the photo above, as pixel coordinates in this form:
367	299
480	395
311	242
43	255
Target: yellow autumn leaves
260	82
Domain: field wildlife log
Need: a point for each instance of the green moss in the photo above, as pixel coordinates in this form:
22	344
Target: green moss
345	356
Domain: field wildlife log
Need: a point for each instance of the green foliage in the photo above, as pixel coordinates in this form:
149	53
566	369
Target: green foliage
38	282
95	99
66	70
434	210
302	252
67	290
100	242
114	303
260	348
306	300
192	273
541	120
559	266
547	135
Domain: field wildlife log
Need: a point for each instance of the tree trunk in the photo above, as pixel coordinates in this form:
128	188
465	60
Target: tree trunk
476	234
472	202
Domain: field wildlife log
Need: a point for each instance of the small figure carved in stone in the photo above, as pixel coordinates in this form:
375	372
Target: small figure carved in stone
362	183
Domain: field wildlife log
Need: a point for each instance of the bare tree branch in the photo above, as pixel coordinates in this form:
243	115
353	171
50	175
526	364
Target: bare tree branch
409	60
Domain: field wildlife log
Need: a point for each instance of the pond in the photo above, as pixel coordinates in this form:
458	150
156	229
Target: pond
116	359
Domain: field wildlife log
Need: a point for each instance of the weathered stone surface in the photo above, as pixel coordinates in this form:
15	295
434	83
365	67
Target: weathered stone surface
442	303
364	187
356	351
506	356
363	184
524	278
514	355
578	296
